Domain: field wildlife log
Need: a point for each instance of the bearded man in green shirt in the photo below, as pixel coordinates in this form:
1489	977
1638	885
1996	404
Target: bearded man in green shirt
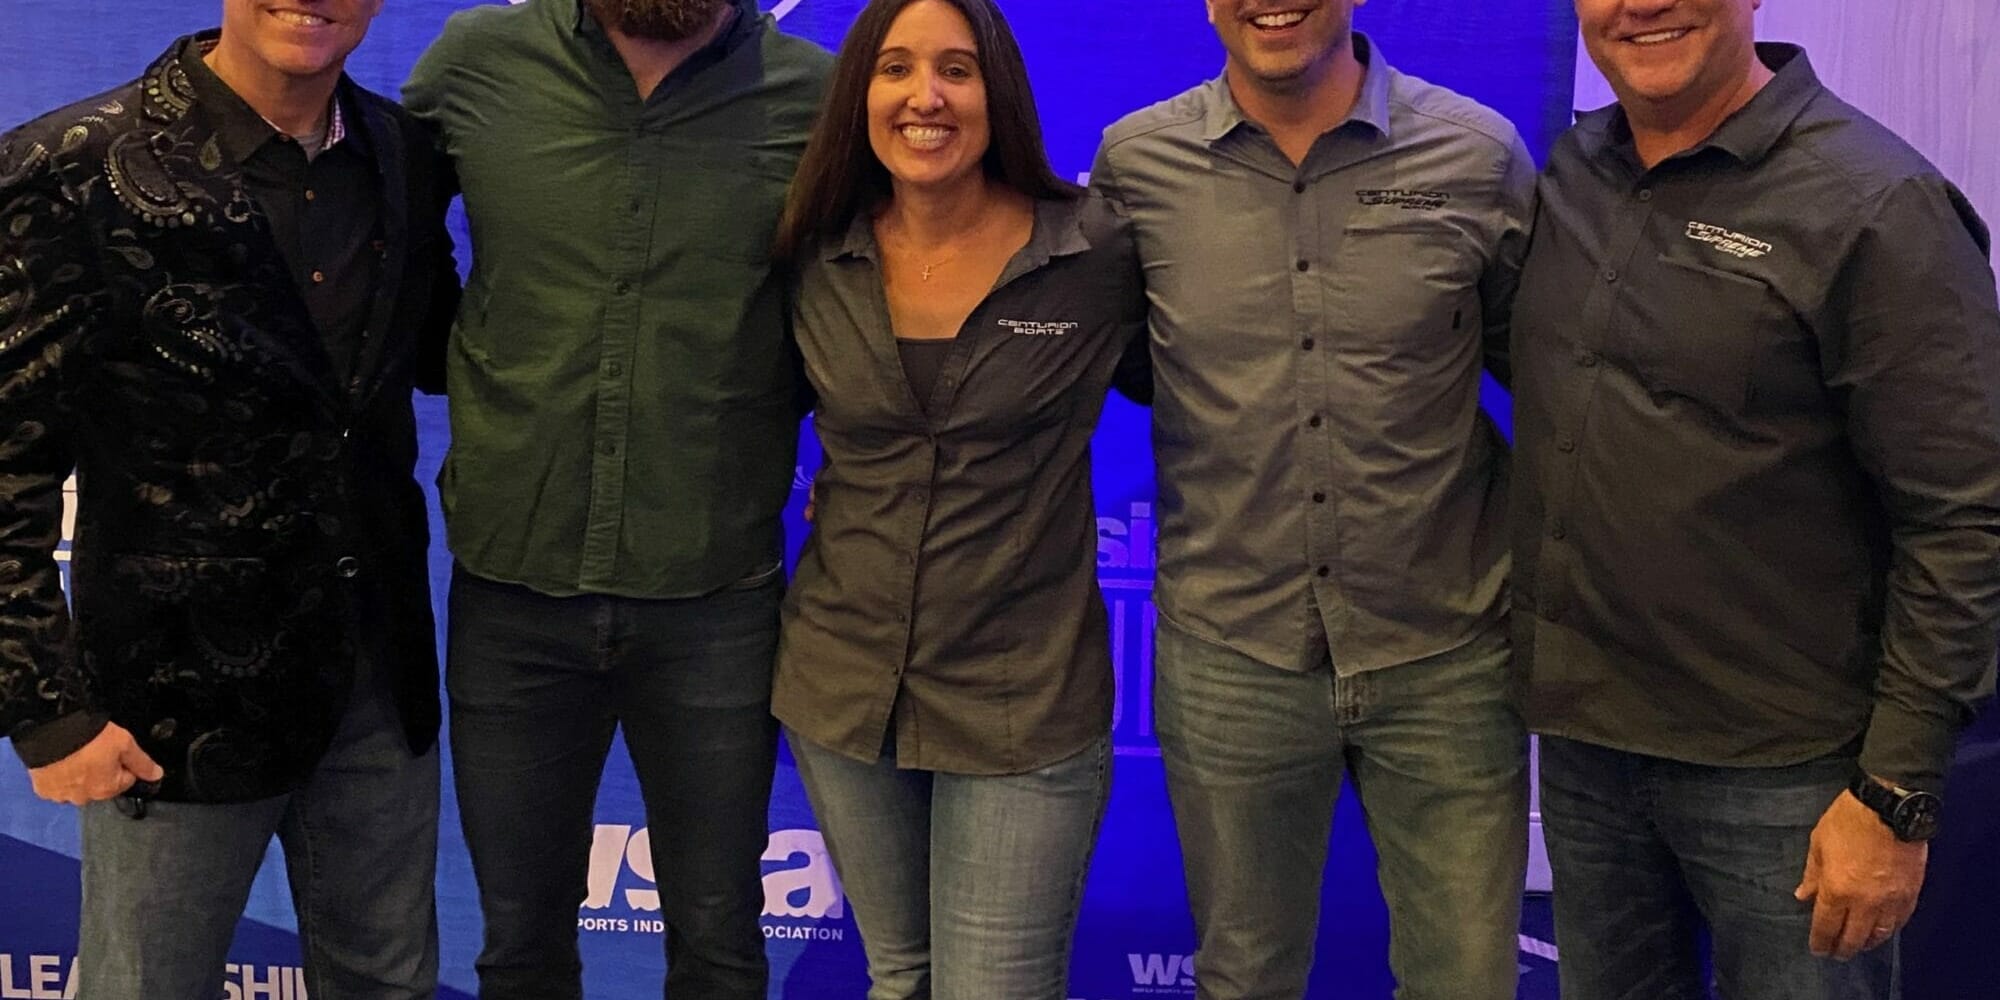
624	421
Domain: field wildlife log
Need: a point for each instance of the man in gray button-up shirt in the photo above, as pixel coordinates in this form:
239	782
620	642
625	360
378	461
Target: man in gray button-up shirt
1330	248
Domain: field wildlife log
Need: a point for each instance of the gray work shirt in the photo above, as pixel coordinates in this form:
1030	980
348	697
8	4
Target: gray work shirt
950	580
1317	335
1758	413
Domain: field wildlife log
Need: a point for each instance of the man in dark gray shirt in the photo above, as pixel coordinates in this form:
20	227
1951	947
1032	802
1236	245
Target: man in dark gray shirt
1330	248
1758	522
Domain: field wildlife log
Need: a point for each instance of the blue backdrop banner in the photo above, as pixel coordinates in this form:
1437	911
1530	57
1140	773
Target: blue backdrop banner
1091	62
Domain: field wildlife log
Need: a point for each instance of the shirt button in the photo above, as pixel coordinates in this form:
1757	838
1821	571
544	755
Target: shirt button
1298	187
614	369
902	617
608	447
319	277
1304	264
1557	532
921	496
1306	344
1566	445
1587	359
310	195
622	288
1645	194
1313	421
1319	497
1322	571
348	567
1610	276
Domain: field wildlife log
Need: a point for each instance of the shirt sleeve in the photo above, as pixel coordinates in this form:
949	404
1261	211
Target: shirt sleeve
1133	377
1911	343
49	296
1514	212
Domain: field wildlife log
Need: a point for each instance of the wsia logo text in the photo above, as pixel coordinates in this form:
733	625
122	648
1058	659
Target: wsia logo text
622	882
1161	974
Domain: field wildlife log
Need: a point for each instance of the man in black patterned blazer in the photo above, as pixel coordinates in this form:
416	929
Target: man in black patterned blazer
218	284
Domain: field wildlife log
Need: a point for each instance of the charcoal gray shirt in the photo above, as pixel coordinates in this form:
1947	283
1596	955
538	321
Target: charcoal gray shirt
950	580
1317	335
1758	414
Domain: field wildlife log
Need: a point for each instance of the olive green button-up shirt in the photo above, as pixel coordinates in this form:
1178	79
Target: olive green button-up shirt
623	406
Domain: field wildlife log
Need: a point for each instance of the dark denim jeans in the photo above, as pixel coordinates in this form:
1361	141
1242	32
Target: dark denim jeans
1651	856
965	887
1438	755
538	685
162	894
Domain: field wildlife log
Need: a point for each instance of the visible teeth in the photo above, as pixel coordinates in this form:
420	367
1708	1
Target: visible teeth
926	136
1284	20
299	18
1657	37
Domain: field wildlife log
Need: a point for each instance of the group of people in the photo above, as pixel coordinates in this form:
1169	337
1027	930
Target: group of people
1740	565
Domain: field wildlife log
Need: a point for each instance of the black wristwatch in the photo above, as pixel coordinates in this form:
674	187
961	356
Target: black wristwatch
1911	816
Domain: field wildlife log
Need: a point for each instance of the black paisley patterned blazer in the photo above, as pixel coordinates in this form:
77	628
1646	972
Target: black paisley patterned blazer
246	527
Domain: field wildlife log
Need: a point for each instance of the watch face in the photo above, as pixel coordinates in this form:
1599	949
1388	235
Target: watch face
1917	816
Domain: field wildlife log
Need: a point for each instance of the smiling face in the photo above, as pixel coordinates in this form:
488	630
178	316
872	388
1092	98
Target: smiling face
296	39
927	99
1675	54
1282	44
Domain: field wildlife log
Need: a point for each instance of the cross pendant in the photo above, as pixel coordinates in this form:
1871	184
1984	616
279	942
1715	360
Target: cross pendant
927	271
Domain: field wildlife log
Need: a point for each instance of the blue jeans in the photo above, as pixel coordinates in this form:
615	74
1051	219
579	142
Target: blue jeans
162	892
1651	855
538	685
1254	759
965	887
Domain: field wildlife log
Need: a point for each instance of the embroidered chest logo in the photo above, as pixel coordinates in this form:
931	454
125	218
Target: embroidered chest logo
1030	328
1414	201
1732	243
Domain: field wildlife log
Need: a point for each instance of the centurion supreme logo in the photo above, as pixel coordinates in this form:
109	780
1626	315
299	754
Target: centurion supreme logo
1733	243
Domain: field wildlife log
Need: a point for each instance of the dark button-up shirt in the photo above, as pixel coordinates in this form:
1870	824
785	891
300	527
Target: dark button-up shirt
1758	414
1317	336
623	399
324	214
950	581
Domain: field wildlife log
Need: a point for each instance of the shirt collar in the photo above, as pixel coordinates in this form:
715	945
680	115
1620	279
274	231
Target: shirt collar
239	130
1058	232
1749	135
1371	108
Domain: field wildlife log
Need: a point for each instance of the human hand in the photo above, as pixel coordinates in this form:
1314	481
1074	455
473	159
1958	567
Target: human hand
812	499
101	769
1861	880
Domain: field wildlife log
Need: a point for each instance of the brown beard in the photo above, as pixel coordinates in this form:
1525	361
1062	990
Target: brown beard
658	20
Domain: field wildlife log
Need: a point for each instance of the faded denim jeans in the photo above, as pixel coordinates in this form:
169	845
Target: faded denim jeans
965	887
1652	856
162	893
1438	756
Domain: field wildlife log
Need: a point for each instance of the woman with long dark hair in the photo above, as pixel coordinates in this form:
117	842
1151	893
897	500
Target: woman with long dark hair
944	674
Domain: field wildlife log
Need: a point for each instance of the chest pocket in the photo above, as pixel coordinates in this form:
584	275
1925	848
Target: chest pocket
1708	327
1406	288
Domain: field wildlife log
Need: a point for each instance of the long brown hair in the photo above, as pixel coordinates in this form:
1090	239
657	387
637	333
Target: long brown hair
839	175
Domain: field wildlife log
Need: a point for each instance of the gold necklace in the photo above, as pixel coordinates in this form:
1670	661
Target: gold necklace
969	239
